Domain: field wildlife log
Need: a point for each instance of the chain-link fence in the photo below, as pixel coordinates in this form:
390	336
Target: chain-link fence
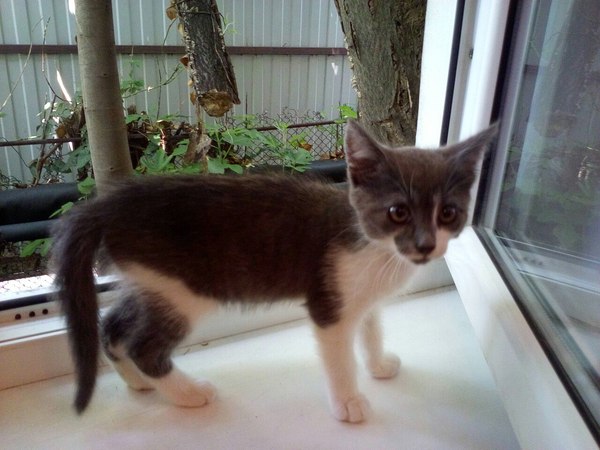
311	131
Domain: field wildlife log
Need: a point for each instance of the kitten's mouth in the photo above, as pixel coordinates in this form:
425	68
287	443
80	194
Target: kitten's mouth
420	260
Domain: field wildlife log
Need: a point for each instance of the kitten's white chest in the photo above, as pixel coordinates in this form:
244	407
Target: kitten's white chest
371	273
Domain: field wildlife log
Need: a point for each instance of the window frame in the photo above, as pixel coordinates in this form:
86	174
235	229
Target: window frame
541	408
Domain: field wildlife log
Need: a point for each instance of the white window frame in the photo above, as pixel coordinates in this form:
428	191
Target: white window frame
540	409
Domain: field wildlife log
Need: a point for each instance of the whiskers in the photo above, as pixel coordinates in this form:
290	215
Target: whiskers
392	269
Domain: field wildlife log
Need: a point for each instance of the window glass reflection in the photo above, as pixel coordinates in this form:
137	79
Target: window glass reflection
546	230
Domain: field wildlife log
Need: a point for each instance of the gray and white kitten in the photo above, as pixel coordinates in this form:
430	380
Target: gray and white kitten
186	245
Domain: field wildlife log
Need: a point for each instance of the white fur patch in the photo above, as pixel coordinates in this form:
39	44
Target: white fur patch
379	363
182	390
442	237
183	300
373	272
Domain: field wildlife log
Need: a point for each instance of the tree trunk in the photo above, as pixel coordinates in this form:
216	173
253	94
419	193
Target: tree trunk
102	102
209	63
385	40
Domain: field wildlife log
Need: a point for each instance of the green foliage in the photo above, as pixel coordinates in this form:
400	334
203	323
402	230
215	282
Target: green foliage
224	143
131	85
236	147
233	148
155	159
40	246
288	149
86	187
347	112
555	192
63	119
220	166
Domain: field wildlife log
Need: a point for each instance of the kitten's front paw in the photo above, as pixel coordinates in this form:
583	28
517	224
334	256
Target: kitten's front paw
182	390
387	367
194	394
354	410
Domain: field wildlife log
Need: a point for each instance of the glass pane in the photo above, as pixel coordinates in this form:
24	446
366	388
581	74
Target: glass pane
546	225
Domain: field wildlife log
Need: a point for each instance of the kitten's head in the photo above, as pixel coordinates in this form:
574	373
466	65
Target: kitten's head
412	199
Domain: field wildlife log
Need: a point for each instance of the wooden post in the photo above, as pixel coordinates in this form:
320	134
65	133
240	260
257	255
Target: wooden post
210	67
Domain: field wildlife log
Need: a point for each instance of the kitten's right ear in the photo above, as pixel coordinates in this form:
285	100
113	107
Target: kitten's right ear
363	154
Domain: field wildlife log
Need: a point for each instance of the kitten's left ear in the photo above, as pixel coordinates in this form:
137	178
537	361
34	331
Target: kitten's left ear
468	152
363	154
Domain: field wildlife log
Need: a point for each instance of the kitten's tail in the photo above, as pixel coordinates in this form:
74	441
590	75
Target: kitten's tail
77	237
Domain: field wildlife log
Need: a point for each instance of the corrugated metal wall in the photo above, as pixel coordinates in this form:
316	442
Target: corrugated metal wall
265	82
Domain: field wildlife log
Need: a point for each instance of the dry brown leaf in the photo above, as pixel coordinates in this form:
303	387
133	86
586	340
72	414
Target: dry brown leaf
171	12
61	131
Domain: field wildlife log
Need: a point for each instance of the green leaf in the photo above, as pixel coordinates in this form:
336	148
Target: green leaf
242	137
272	142
129	118
182	148
86	187
62	210
83	160
190	169
236	168
298	159
41	246
347	112
46	246
216	166
156	162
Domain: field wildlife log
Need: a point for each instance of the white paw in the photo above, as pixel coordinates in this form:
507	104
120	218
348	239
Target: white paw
353	410
193	395
387	367
182	390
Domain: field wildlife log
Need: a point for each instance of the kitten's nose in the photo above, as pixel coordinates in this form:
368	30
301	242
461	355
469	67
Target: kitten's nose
425	248
424	240
425	243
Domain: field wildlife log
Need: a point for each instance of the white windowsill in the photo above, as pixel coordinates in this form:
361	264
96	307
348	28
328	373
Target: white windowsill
272	390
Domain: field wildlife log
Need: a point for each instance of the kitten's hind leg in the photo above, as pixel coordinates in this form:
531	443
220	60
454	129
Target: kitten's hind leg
163	328
117	327
127	370
154	328
379	363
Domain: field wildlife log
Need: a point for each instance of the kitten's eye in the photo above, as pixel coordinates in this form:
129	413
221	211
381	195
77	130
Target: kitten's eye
399	214
448	214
